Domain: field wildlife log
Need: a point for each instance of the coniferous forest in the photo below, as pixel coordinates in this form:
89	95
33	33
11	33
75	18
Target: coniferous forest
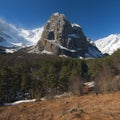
34	76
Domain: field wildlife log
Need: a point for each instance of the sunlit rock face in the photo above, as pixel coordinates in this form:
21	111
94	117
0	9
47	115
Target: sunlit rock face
61	37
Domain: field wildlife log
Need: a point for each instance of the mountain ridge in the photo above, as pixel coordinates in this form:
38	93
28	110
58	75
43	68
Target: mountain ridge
13	38
17	38
109	44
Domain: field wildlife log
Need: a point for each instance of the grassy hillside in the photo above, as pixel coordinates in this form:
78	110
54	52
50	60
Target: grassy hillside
88	107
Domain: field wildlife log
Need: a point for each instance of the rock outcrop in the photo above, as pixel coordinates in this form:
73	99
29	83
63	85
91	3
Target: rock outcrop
60	37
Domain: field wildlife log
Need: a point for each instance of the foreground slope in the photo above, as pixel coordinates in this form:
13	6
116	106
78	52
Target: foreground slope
88	107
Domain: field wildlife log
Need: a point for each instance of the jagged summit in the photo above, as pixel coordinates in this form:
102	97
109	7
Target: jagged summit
58	14
61	37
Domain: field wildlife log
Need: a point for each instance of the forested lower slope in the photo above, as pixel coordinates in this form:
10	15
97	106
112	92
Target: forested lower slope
34	76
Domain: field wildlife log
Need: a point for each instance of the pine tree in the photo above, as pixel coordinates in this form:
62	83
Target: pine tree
52	81
26	83
63	78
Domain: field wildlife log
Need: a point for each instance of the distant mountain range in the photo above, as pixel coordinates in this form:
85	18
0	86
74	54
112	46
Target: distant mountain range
13	38
58	36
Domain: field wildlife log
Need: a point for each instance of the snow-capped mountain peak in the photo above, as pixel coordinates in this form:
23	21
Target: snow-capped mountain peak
31	35
109	44
11	36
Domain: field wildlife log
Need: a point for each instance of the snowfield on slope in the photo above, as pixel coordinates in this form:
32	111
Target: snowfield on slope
12	36
109	44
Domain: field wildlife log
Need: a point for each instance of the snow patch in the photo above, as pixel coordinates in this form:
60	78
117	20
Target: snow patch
9	51
81	57
66	48
60	46
90	84
56	14
18	102
63	56
47	52
76	25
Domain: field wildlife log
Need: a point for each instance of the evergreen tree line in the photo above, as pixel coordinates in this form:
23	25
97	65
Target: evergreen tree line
106	73
35	76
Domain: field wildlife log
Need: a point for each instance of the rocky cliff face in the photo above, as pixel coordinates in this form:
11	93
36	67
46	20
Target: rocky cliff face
60	37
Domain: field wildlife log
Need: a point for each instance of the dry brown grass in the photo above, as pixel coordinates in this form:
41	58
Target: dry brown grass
88	107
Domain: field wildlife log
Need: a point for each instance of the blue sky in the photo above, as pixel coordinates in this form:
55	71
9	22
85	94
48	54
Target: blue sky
98	18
